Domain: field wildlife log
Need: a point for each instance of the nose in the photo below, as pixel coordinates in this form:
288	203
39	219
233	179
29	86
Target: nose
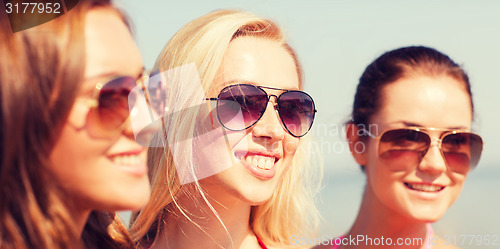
143	132
128	131
433	161
269	126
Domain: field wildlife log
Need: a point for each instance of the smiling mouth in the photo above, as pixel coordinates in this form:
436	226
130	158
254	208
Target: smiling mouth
424	187
259	161
127	160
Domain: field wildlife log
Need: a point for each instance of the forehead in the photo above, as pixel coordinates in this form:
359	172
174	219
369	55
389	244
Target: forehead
110	48
440	102
258	61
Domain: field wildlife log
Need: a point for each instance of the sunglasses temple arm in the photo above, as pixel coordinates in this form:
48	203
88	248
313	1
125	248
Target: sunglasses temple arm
148	103
368	133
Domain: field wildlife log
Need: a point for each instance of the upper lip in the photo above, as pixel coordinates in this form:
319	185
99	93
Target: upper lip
135	151
267	153
427	183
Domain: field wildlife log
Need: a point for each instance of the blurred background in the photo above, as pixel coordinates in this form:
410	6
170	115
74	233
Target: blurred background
335	41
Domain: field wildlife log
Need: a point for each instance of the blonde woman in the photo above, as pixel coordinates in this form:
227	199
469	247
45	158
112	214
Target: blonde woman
249	102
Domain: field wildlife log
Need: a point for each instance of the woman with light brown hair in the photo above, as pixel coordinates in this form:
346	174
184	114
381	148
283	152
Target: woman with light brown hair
68	154
242	182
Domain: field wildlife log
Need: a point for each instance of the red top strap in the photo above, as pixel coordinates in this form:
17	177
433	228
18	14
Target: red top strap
261	244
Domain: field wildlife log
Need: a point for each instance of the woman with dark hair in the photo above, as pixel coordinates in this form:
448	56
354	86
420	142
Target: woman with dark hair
411	133
68	154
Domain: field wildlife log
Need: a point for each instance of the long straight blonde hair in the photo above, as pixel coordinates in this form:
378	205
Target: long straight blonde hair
291	209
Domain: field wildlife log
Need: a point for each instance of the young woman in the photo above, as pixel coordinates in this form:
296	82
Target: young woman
250	110
411	134
68	154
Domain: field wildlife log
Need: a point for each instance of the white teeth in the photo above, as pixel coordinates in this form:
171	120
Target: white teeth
127	160
424	187
255	161
261	162
269	163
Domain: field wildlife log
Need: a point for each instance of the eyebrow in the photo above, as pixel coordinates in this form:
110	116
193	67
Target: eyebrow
410	124
249	82
113	73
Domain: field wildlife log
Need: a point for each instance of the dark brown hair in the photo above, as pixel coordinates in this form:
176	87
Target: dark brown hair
397	64
40	74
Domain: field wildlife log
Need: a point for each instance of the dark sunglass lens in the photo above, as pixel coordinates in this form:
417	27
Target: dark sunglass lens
297	112
240	106
462	151
403	147
114	102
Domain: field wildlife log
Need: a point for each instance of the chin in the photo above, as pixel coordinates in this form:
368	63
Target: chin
134	199
257	195
426	214
262	192
260	201
427	218
128	205
239	183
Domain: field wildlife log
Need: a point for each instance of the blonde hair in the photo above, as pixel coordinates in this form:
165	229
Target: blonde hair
291	209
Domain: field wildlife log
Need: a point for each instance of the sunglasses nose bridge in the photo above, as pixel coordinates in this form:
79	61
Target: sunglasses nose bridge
269	96
432	142
436	142
432	160
274	103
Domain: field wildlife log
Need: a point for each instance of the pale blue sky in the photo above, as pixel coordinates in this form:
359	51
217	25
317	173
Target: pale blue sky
335	41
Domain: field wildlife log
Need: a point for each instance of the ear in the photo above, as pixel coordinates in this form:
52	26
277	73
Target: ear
357	146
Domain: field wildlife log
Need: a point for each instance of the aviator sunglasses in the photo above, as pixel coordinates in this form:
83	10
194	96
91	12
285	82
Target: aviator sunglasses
240	106
111	103
406	147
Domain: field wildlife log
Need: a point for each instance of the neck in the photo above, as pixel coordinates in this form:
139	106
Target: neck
230	229
80	218
376	220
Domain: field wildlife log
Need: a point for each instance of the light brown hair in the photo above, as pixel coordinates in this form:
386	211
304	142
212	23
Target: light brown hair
40	75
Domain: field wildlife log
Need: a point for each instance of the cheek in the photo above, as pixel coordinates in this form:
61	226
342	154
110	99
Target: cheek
71	165
64	158
369	151
382	181
213	152
75	156
290	145
458	181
